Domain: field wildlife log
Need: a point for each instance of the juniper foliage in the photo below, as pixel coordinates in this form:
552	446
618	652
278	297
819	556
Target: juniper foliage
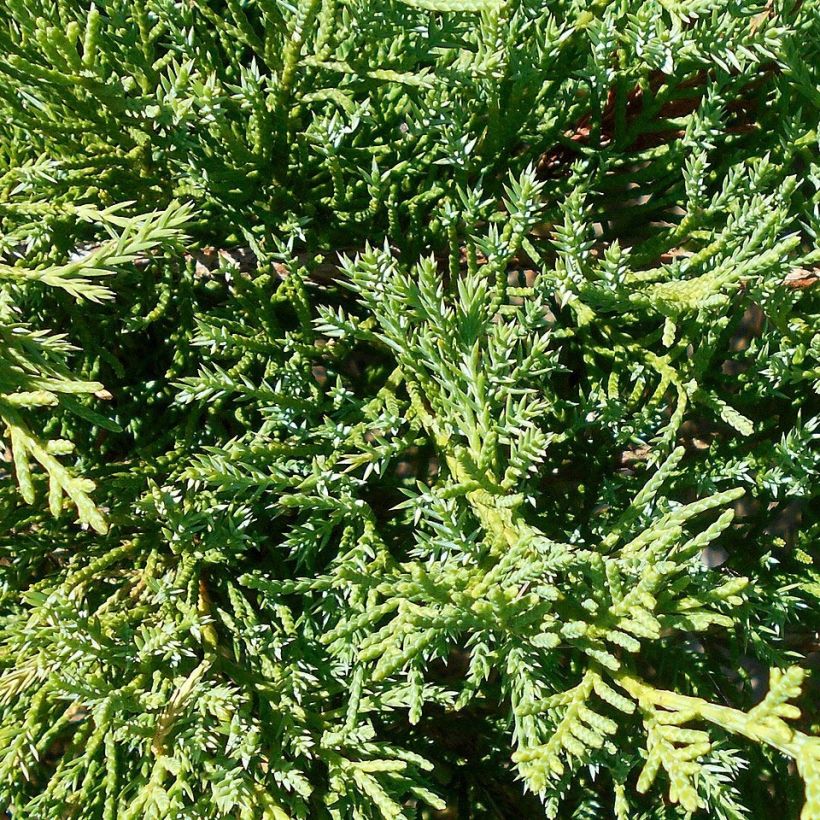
409	408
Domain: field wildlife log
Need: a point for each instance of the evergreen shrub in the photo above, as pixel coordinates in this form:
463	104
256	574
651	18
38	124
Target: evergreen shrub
409	408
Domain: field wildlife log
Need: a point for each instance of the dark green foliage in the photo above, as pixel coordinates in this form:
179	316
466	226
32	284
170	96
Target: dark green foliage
409	408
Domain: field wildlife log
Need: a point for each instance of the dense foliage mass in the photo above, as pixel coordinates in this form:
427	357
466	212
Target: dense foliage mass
409	408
